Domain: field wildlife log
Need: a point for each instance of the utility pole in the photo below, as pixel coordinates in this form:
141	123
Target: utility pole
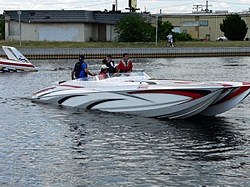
201	7
132	6
197	7
19	20
207	10
156	30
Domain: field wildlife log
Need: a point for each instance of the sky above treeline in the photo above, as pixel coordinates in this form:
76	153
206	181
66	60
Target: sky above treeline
152	6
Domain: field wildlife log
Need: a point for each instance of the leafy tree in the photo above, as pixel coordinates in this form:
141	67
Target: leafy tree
134	28
2	27
234	27
164	28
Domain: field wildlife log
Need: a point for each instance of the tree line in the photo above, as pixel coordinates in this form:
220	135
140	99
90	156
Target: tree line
135	28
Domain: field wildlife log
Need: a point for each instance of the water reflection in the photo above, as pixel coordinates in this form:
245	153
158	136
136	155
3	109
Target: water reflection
232	61
209	139
45	145
118	145
199	138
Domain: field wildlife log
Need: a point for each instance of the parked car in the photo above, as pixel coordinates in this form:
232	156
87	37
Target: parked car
223	38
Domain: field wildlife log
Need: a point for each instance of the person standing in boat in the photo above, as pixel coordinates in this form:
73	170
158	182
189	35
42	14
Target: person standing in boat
111	64
125	65
80	69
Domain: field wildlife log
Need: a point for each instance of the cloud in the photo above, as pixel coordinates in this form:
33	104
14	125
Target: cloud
153	6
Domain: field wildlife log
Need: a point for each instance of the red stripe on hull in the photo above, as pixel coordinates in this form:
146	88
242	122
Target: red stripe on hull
71	86
236	93
183	93
17	64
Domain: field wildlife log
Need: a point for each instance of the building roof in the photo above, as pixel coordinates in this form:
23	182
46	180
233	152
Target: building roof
65	16
201	13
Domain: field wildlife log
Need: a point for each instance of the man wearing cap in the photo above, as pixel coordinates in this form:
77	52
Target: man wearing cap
103	72
80	69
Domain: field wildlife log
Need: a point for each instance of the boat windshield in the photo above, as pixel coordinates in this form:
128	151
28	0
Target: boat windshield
133	76
13	54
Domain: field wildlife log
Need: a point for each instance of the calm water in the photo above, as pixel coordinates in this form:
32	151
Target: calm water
43	145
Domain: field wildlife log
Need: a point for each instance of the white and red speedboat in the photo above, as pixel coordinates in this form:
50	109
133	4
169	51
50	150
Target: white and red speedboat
16	61
136	93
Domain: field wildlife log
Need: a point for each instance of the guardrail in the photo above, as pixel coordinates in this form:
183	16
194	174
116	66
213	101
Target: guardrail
99	53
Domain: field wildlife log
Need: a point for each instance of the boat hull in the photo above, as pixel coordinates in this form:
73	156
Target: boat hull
16	62
232	97
173	99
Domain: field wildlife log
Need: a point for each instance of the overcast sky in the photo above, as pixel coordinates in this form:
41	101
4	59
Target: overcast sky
152	6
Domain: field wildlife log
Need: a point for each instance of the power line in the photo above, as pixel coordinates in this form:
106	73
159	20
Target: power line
230	2
169	6
48	3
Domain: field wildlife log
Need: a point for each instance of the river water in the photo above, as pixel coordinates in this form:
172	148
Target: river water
43	145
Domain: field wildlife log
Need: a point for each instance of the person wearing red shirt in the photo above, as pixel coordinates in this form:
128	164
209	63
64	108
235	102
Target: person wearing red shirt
125	65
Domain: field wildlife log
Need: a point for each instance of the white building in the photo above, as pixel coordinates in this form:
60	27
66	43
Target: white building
61	25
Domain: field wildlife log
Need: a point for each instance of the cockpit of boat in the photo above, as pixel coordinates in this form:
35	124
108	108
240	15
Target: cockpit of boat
124	77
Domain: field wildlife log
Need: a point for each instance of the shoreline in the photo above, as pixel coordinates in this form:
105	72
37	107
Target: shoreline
100	53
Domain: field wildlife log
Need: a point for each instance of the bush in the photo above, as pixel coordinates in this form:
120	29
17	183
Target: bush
182	37
91	39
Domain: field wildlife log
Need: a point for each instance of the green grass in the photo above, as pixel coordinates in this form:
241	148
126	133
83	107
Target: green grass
54	44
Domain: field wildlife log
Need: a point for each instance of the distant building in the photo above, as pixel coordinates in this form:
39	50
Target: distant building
84	26
200	24
62	25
